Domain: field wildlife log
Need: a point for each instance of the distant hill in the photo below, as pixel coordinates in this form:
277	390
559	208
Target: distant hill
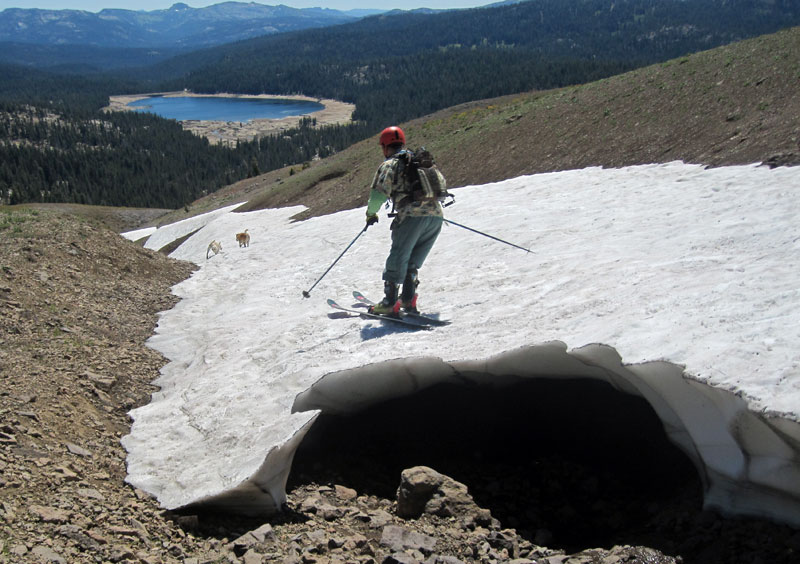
83	59
72	41
645	30
179	26
599	29
433	61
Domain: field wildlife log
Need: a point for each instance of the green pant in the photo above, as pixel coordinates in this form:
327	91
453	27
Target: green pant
412	240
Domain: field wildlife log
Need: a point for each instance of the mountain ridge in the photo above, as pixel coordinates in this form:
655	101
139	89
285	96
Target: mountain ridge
179	26
642	30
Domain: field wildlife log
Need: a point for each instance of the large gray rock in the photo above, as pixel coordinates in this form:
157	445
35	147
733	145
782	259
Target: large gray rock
424	490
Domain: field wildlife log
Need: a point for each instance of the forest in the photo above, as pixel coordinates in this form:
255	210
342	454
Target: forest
56	145
138	160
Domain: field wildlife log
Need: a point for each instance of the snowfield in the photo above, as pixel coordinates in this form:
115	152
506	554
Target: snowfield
673	282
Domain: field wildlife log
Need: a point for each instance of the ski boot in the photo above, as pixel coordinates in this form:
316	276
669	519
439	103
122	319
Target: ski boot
408	298
389	305
410	306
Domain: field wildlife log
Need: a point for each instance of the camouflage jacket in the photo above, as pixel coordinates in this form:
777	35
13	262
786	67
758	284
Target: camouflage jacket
388	183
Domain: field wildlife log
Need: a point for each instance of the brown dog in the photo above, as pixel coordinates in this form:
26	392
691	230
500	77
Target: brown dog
243	238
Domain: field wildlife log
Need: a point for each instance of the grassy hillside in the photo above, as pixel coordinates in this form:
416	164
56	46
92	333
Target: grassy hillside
735	104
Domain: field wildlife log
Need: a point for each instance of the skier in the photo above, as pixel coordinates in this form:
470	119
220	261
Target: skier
414	230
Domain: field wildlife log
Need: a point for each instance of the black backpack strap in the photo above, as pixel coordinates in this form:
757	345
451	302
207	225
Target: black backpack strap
403	158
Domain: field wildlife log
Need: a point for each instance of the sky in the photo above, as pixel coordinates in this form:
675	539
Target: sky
669	281
149	5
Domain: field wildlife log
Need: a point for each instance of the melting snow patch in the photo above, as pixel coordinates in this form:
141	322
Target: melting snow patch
686	275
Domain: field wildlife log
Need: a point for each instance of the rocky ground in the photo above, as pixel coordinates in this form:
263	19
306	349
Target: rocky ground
77	303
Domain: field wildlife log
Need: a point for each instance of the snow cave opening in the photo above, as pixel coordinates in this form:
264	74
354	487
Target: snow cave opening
570	463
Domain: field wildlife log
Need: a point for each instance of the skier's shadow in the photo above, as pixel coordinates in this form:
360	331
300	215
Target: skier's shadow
381	329
339	315
375	329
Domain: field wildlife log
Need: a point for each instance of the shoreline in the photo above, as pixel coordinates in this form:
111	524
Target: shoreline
229	132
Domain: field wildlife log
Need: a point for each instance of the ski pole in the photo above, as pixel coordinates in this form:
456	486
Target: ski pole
307	293
487	235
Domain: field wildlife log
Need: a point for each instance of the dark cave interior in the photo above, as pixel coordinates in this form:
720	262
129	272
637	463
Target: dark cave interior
572	461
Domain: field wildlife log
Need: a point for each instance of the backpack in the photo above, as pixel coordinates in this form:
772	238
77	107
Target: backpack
422	180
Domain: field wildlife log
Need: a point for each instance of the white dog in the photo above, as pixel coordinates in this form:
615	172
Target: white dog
214	246
243	238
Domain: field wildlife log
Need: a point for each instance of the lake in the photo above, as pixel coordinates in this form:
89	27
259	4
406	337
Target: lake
214	108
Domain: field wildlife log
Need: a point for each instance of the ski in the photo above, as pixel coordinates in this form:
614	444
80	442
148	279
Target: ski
368	315
419	316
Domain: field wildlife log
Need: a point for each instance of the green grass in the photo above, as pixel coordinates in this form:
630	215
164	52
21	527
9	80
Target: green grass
13	222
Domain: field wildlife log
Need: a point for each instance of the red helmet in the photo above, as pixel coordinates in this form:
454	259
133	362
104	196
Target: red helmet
392	135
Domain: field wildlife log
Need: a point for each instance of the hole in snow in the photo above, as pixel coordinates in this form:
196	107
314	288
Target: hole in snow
574	459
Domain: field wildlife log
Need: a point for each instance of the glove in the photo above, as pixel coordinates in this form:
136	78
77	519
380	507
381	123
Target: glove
372	219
